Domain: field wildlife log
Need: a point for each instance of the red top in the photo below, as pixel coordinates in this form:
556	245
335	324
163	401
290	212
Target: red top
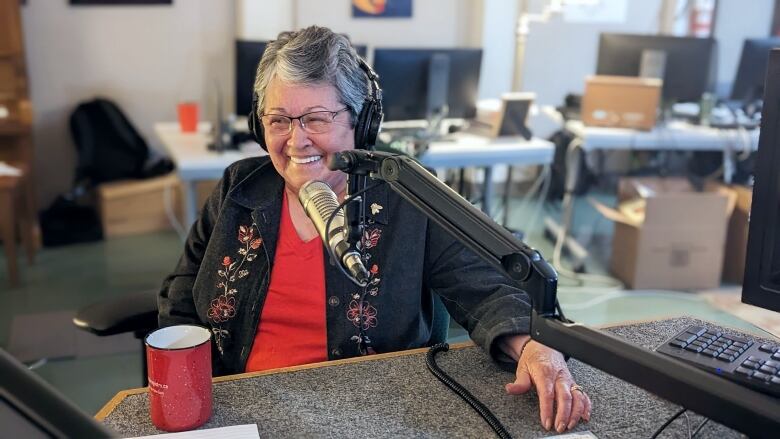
292	327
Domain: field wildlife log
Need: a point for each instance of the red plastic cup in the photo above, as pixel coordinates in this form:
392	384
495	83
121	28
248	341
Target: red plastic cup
179	371
188	116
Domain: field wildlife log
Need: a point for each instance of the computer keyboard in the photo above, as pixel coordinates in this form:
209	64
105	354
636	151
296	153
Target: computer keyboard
748	362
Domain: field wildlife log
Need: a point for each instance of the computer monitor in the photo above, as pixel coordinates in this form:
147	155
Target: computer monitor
749	81
761	286
31	408
248	54
688	63
416	81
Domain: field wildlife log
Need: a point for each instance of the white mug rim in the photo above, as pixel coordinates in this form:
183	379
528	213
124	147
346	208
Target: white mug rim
198	327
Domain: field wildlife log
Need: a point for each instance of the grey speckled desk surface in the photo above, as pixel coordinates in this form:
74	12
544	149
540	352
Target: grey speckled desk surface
399	397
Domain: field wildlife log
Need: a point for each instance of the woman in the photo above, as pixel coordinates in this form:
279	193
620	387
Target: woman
255	272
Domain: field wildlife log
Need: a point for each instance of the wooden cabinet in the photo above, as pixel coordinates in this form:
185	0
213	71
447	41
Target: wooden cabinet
11	25
15	109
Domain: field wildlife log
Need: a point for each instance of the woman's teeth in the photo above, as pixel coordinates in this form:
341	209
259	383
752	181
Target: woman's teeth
304	160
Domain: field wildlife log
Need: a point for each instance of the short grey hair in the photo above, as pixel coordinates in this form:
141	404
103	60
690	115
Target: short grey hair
314	56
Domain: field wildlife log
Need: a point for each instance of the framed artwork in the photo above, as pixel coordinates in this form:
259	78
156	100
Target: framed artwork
382	8
119	2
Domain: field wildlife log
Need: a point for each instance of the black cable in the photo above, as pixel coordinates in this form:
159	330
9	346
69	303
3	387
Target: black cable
332	255
430	361
668	421
698	429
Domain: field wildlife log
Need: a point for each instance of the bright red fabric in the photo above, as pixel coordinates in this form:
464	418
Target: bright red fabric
292	328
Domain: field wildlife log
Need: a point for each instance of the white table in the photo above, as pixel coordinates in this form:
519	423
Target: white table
195	162
672	136
465	149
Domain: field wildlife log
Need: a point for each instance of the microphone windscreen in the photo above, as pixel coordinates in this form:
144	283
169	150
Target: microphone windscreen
320	203
340	161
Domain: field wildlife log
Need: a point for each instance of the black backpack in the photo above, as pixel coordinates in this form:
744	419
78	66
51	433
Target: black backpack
108	145
109	148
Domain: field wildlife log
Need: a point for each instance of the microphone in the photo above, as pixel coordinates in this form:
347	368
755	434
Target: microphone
355	162
319	202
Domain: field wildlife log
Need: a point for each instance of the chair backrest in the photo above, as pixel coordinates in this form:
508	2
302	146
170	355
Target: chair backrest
440	328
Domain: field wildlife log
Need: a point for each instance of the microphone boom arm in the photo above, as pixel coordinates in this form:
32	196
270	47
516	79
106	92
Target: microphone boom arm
719	399
473	228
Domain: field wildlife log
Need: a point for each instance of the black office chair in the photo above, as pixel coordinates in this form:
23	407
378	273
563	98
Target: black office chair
135	312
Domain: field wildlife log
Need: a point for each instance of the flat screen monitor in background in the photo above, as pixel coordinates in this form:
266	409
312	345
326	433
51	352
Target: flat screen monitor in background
416	81
761	286
687	63
31	408
749	82
248	54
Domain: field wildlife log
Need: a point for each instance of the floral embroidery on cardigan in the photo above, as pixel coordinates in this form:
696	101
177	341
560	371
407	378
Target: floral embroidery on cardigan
223	307
360	312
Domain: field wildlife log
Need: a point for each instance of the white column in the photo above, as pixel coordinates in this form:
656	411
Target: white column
498	40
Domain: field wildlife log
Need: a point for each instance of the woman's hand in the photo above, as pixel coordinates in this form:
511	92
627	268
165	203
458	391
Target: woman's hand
545	369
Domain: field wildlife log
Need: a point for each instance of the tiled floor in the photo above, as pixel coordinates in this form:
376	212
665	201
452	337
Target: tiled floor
64	279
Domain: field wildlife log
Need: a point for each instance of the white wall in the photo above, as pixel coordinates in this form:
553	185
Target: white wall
146	58
434	23
262	20
498	37
559	54
734	23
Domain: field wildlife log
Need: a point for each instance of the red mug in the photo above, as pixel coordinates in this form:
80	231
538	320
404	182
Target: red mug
179	370
188	116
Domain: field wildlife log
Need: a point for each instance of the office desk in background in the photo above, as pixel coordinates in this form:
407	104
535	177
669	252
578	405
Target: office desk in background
194	162
671	136
394	395
465	149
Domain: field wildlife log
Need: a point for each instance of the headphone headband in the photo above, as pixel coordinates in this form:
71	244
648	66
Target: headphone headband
368	123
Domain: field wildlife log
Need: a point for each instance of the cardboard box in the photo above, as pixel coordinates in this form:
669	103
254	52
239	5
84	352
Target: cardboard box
138	206
668	236
737	235
621	101
131	207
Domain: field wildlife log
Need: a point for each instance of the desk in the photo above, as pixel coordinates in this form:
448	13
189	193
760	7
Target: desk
465	149
195	162
672	136
394	395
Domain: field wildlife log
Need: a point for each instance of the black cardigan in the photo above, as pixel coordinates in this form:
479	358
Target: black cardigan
221	280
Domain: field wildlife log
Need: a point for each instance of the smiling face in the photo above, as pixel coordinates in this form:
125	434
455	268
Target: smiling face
301	156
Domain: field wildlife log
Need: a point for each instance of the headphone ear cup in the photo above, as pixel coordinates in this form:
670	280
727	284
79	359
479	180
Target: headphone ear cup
373	122
360	128
256	126
367	126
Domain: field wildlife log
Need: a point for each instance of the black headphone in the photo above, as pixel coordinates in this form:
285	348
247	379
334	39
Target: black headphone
368	121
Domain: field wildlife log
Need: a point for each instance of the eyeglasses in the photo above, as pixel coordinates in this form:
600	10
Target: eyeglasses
316	122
